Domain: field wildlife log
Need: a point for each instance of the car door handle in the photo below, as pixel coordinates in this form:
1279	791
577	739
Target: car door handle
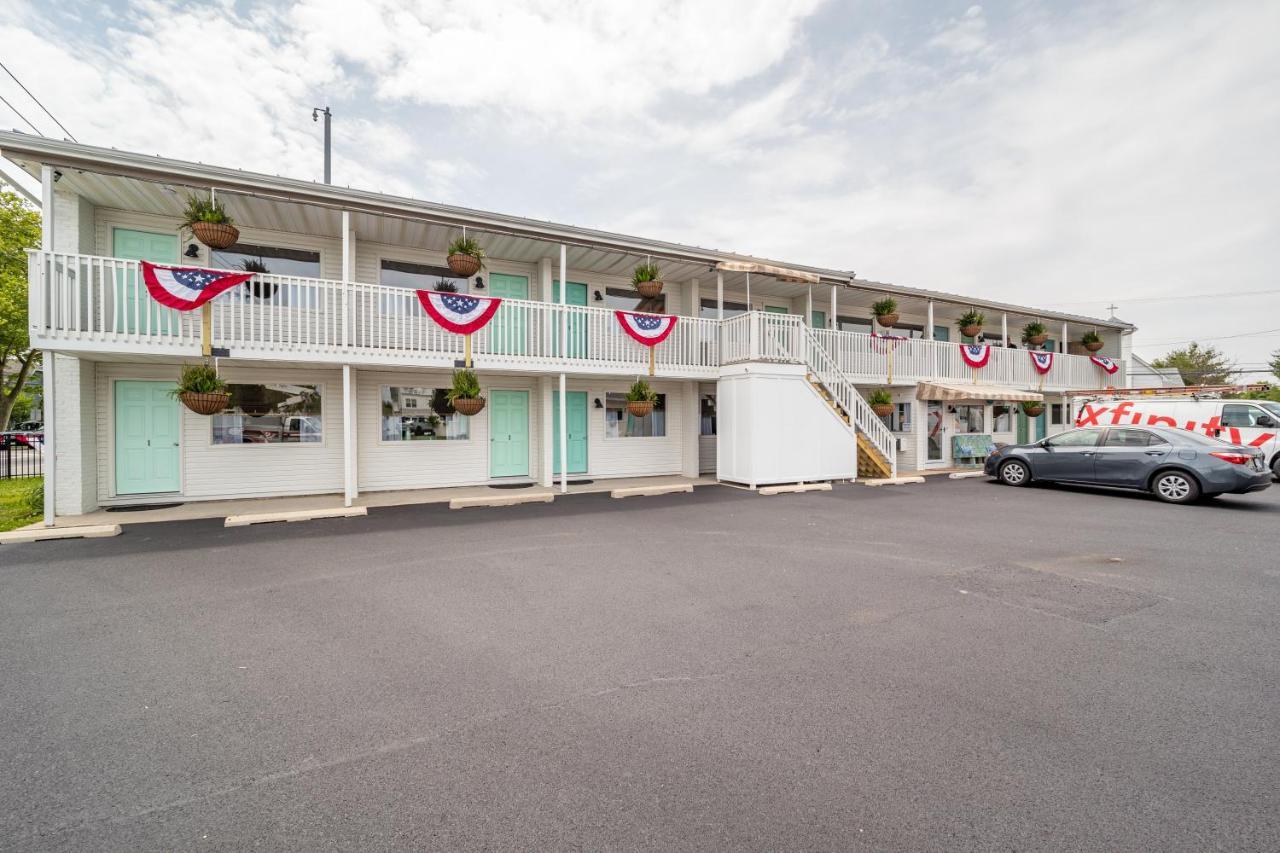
1155	453
1087	452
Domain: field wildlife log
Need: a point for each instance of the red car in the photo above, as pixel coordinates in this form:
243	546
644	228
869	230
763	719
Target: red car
21	439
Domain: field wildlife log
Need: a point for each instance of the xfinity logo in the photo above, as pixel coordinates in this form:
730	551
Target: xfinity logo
1092	415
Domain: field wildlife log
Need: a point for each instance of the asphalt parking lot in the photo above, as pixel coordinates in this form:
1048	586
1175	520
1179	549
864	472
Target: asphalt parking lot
953	666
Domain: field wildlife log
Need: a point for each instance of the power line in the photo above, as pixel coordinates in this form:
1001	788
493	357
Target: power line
20	115
40	105
1171	298
1214	338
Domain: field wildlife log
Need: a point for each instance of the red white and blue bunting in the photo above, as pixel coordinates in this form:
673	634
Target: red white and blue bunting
1041	361
975	355
648	329
1107	364
187	288
458	312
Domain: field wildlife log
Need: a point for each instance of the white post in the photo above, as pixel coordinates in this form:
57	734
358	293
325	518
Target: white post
719	295
1062	343
564	354
808	307
835	321
1004	329
50	407
749	291
695	298
346	279
46	208
548	431
348	436
691	421
928	332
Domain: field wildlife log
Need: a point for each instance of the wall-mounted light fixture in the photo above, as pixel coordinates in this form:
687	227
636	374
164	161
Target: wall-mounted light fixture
598	297
193	251
479	282
599	405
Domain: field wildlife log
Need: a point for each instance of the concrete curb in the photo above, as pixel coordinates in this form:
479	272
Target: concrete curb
39	534
645	491
503	500
795	488
892	481
966	475
293	515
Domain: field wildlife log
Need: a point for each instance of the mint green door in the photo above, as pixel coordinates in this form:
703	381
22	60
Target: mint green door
146	433
575	294
135	310
776	309
508	433
1024	427
575	403
508	331
818	319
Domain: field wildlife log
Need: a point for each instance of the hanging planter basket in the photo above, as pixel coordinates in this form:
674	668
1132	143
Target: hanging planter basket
1038	340
649	289
261	289
468	405
464	265
215	235
1094	346
205	402
640	408
970	331
1033	410
882	410
888	321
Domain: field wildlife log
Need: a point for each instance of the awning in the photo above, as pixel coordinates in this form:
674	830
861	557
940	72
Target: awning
960	391
780	273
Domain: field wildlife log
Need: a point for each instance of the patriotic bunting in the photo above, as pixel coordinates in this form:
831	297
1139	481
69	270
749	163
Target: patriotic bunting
187	288
459	312
1106	364
975	355
648	329
1041	361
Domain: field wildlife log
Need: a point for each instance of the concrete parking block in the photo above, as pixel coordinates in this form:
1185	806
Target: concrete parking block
39	534
294	515
646	491
503	500
793	488
966	475
892	481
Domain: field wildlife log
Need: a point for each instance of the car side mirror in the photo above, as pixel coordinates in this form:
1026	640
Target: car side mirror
1264	421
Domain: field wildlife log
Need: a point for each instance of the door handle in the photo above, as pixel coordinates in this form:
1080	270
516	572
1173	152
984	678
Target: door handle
1088	452
1155	452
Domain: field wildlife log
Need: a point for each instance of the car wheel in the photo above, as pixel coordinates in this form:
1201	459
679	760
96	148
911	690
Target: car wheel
1176	487
1275	468
1014	473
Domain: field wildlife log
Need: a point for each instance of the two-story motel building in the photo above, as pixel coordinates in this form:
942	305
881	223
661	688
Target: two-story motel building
336	371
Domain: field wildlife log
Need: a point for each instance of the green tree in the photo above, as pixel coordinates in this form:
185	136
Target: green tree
1199	365
19	231
1275	363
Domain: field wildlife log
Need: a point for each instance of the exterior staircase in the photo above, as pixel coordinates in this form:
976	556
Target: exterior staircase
872	462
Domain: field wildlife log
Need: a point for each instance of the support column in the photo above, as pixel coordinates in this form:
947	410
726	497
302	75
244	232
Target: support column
348	261
835	322
695	298
46	208
691	424
929	324
719	295
564	352
1004	328
349	446
1062	342
50	406
808	307
546	278
547	433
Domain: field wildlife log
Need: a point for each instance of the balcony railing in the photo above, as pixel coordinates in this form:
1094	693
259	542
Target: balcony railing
97	304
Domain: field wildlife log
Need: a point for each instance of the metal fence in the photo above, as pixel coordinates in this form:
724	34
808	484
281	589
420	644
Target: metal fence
20	460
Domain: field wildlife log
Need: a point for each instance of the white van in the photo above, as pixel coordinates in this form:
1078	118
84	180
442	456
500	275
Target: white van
1255	423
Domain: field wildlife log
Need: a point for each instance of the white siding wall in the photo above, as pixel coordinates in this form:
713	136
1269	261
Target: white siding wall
75	437
234	471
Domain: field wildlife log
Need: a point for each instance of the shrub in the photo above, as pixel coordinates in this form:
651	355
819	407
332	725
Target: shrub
1091	337
200	209
888	305
1034	329
880	397
446	287
466	246
645	272
640	392
199	379
970	318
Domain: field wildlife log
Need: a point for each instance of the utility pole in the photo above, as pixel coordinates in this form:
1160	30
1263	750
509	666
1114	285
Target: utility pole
316	112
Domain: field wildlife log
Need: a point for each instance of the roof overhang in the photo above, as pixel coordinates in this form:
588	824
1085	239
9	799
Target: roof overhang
780	273
960	391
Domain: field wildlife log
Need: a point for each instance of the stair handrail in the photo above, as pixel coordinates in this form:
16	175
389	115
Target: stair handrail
820	363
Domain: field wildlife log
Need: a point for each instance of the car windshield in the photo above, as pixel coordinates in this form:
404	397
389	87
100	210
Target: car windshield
1273	408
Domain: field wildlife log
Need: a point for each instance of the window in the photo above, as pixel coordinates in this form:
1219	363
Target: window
421	414
1242	416
708	309
853	324
1001	418
969	418
942	333
419	276
270	414
278	261
1055	413
899	420
1132	438
1075	438
619	423
707	406
626	299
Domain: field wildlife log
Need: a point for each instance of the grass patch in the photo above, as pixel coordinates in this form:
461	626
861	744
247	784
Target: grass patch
21	502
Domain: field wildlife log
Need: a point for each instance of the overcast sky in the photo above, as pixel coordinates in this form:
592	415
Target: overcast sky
1062	155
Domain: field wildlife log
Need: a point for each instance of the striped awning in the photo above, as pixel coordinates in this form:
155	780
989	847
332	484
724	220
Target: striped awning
780	273
961	391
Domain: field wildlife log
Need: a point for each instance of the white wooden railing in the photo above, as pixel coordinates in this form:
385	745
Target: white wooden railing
100	304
